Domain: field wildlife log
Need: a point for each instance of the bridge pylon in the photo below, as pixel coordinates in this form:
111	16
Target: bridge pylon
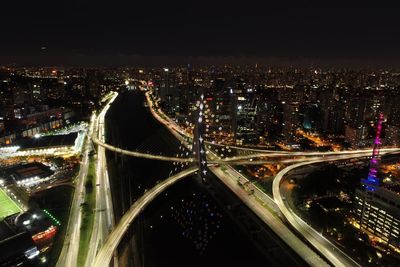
199	148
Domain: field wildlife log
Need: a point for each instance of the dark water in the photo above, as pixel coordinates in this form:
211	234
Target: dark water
184	226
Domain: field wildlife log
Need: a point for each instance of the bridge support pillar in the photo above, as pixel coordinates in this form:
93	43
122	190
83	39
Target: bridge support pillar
199	149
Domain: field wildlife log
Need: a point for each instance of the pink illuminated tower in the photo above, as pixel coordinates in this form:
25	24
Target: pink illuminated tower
372	181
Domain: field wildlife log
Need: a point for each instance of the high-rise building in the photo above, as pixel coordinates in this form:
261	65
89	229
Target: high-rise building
269	114
360	111
224	106
378	214
334	120
310	116
245	128
393	123
377	208
290	119
92	82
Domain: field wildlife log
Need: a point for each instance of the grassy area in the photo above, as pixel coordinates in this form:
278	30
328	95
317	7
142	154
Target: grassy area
21	193
58	202
265	186
7	205
87	212
266	206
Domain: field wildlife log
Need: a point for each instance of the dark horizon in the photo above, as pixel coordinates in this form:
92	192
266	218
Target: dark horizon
298	33
134	61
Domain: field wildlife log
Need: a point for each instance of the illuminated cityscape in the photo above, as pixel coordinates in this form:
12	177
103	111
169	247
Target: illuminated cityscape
377	208
174	134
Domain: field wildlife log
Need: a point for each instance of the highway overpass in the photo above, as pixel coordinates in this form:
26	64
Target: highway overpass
106	252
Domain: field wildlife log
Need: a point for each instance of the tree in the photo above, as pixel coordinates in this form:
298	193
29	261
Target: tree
89	185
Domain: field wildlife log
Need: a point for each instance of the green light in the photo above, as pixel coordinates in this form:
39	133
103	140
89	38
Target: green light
57	222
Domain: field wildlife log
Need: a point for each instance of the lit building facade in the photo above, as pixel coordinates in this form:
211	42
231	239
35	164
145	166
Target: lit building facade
378	213
376	208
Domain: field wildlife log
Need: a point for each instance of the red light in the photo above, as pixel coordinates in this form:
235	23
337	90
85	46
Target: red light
45	235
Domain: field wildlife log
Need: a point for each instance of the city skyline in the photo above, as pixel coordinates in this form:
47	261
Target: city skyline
199	134
285	142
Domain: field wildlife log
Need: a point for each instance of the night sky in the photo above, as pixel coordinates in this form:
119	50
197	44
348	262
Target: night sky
87	32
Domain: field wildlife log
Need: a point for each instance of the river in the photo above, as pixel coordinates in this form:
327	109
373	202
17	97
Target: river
186	225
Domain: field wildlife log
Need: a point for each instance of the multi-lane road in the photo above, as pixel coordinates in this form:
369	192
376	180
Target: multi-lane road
106	252
69	252
334	254
104	216
270	156
103	222
137	154
229	177
269	214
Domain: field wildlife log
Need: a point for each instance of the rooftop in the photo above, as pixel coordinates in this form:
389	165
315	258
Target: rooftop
47	141
29	170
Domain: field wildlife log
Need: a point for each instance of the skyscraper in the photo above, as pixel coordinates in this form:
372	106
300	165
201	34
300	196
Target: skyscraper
377	208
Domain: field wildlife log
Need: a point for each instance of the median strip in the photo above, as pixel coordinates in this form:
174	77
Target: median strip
87	209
